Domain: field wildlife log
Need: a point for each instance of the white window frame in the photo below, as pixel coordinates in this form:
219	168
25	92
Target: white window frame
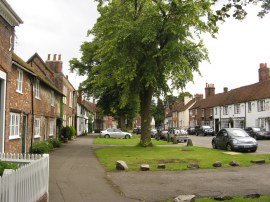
52	121
19	81
261	105
237	109
70	99
249	107
65	93
52	98
225	110
14	126
37	89
37	128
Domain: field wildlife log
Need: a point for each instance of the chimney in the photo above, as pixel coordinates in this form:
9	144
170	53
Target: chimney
55	65
209	90
225	89
198	97
263	72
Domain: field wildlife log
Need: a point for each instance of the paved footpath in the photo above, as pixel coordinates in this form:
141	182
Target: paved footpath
76	176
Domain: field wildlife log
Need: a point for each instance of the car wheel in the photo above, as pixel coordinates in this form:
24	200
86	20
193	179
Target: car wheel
107	136
229	147
253	150
214	145
127	137
197	134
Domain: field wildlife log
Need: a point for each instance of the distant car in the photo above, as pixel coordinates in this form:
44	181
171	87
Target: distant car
204	130
191	130
115	133
257	133
137	130
153	132
234	139
180	134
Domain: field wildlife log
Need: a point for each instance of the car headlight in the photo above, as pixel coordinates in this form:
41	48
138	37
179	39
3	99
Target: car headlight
235	141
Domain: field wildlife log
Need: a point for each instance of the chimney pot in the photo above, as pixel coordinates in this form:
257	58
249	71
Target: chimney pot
225	89
49	57
59	57
54	57
263	65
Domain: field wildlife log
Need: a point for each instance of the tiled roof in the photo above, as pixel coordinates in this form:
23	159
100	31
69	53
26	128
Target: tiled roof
19	61
256	91
89	106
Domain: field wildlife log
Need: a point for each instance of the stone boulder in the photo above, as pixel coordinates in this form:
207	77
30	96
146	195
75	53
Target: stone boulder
145	167
193	165
223	197
121	165
234	163
185	198
252	196
161	166
217	164
262	161
189	142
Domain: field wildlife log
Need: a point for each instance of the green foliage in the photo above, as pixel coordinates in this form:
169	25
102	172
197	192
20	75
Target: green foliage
55	143
236	199
72	131
138	46
41	147
6	165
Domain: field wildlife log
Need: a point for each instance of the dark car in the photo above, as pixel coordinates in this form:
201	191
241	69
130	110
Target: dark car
257	133
234	139
204	130
137	130
191	131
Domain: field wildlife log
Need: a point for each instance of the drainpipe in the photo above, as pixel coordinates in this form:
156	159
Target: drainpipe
32	95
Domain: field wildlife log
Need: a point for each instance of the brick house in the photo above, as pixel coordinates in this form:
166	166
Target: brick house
68	109
8	21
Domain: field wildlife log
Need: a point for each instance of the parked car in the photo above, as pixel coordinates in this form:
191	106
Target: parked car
163	135
204	130
234	139
257	133
191	131
137	130
115	133
180	134
153	132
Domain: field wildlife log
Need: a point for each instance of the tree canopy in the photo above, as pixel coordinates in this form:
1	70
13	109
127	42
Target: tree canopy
139	45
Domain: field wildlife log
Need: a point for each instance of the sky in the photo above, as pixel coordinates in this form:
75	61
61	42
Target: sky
60	27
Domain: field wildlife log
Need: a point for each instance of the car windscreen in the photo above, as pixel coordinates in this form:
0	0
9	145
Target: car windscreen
256	129
238	133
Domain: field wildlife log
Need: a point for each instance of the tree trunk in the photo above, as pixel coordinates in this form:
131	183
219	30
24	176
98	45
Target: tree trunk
145	101
122	123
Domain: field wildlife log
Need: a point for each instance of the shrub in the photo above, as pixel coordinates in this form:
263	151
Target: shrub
65	132
41	147
5	165
72	131
55	143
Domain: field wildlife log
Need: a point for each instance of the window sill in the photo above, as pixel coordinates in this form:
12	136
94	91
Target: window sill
19	92
50	135
14	137
37	136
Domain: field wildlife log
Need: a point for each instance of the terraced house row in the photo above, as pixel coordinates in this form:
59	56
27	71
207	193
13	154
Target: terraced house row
35	94
247	106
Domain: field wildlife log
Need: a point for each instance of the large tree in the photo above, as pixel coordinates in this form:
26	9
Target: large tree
141	44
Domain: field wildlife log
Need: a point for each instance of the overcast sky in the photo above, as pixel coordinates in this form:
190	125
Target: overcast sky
60	27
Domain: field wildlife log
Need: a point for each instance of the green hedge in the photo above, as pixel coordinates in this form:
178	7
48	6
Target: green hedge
5	165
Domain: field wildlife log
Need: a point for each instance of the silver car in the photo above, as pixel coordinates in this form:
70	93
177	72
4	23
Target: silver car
234	139
115	133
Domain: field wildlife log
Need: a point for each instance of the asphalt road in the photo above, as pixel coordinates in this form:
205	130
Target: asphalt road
205	141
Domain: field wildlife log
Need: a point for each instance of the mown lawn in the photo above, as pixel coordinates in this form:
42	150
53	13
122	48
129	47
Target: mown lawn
175	158
135	140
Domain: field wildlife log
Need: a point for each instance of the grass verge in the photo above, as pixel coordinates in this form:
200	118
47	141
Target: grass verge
175	158
237	199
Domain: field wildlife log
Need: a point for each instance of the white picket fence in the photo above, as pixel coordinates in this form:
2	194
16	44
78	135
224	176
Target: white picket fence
28	183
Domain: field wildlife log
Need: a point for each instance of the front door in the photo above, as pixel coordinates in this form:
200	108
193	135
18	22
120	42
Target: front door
24	132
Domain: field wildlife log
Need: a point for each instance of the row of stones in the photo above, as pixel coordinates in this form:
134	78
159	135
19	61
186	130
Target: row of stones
121	165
